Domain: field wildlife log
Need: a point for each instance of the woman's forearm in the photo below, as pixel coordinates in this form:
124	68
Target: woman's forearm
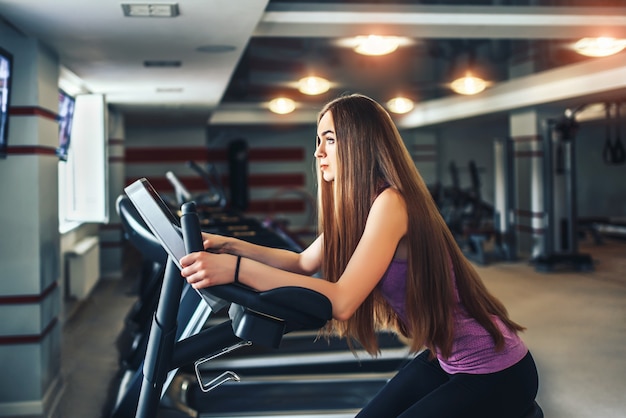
275	257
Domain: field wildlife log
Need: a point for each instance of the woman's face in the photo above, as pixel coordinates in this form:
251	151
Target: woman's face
326	151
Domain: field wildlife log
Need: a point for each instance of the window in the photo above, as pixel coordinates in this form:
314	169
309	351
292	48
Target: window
83	178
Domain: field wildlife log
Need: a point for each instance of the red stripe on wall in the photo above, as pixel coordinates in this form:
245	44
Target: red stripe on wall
31	150
527	138
33	111
28	339
160	155
28	299
195	183
163	184
528	154
276	154
273	206
116	160
202	154
528	214
274	180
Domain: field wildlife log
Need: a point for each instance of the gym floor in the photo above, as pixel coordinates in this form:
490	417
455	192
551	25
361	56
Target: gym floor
576	331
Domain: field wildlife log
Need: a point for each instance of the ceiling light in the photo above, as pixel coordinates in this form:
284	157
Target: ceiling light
599	47
282	105
400	105
468	85
376	45
150	10
313	85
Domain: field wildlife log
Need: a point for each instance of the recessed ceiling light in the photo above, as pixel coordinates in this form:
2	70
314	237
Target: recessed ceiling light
282	105
376	45
599	47
468	85
150	10
400	105
313	85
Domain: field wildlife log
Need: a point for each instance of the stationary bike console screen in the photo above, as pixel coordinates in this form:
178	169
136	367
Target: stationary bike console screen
161	221
302	306
165	227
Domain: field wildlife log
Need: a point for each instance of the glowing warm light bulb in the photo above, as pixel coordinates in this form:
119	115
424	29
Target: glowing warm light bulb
313	85
376	45
400	105
468	85
599	47
282	105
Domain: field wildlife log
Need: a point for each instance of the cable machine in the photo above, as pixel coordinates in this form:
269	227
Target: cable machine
504	210
560	237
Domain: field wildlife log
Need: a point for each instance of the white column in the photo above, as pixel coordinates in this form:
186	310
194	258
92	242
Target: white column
30	297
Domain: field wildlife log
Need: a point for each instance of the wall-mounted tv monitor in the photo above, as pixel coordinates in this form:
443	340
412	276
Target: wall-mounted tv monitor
66	117
6	75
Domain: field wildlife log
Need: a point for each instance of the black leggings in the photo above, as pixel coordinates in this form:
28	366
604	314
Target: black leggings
422	389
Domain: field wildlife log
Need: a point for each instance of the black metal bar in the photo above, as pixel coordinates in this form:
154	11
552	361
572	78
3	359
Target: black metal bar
509	170
190	224
548	190
161	342
572	210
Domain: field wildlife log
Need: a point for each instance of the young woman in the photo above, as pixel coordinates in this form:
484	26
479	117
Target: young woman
389	261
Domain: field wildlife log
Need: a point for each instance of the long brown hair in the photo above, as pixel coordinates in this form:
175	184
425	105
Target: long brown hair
371	154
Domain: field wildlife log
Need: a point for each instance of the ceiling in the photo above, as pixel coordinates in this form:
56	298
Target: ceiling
225	59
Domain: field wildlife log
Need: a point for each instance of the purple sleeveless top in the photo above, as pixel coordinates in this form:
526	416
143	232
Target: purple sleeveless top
473	349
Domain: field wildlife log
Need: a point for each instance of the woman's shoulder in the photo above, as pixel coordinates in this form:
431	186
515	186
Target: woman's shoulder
390	205
390	195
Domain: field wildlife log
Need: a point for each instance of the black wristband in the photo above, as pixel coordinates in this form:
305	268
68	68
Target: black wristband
237	269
